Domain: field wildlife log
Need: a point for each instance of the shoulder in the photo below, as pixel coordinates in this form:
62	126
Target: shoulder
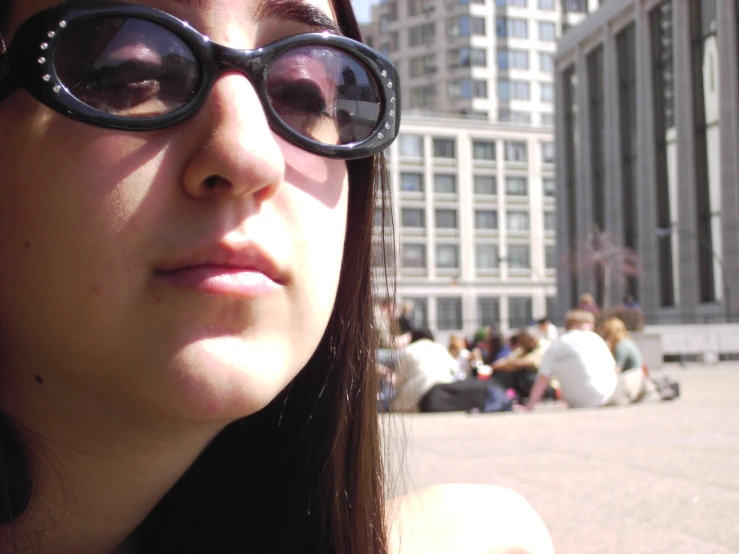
466	519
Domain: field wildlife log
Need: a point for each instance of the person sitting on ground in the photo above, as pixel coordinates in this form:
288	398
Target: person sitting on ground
587	303
458	350
519	370
582	363
423	364
546	329
633	385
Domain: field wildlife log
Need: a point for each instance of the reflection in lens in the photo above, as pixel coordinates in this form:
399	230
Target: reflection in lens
324	94
126	66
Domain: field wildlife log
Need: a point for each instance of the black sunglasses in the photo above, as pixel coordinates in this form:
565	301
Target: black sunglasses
134	68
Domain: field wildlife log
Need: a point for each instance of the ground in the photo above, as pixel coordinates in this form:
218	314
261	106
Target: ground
650	478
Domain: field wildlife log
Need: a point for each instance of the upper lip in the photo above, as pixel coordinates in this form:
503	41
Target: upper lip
248	256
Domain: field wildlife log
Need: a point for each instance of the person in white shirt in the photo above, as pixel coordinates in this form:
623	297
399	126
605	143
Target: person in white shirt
423	364
546	329
582	363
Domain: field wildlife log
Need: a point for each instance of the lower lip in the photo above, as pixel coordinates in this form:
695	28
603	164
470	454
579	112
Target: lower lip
228	281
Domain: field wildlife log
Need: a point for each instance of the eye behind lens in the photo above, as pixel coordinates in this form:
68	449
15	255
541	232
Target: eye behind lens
351	99
127	67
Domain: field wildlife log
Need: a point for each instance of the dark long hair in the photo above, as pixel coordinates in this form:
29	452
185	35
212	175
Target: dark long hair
302	475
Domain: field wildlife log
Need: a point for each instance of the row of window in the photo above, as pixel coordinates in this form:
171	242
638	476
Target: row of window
465	26
413	256
450	315
426	95
446	218
411	146
482	185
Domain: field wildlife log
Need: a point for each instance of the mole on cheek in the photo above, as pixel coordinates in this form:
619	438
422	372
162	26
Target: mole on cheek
39	380
27	245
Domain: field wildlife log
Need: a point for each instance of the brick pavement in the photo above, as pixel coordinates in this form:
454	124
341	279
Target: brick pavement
656	477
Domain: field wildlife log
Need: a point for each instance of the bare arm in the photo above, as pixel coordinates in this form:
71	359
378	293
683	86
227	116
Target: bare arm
537	391
512	364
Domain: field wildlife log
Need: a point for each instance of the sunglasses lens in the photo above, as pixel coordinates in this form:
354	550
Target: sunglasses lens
126	67
324	94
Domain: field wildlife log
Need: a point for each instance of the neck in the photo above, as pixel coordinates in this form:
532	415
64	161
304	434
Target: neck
97	474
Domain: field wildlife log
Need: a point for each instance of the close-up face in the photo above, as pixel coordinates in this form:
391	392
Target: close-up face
188	271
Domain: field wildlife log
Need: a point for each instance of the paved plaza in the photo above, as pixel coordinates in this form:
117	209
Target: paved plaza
656	477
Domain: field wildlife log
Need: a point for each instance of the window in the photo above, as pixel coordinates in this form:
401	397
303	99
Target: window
450	314
596	104
422	34
392	41
486	256
513	90
549	187
486	219
515	151
546	62
416	7
519	256
447	256
445	183
547	30
479	88
410	146
516	186
383	255
423	65
513	59
514	116
444	148
423	96
511	3
483	150
519	312
517	221
571	148
411	182
547	152
626	72
547	118
546	5
468	88
550	256
488	311
464	26
511	27
547	92
662	67
485	185
413	256
420	314
466	57
413	217
578	6
377	218
550	221
446	219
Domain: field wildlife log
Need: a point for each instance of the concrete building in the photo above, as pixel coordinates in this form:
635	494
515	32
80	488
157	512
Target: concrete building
647	135
487	58
473	169
474	220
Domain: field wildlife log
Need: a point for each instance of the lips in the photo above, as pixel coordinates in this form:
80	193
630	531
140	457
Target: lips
242	271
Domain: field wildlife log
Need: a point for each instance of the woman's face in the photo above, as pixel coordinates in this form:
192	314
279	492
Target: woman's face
133	263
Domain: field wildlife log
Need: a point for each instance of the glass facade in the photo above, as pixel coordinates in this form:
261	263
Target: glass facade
663	71
626	69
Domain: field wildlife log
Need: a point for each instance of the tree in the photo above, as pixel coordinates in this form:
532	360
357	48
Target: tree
603	255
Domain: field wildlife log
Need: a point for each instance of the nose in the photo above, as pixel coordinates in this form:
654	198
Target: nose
236	153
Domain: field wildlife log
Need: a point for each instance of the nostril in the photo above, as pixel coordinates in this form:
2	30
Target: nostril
212	181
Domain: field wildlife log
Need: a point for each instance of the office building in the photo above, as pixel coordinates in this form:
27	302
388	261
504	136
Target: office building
647	135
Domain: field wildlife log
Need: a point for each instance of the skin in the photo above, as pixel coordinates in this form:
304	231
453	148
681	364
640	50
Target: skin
121	377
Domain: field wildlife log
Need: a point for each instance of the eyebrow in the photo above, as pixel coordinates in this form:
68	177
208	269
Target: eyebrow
296	11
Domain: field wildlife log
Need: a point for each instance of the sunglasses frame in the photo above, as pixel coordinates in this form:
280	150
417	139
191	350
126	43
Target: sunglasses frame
28	63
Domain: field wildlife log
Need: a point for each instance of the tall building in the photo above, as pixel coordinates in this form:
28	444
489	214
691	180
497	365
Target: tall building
472	171
491	59
474	221
647	136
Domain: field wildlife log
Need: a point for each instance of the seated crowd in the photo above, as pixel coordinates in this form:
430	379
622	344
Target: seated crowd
486	373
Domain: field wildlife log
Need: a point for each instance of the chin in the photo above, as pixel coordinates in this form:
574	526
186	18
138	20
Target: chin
227	378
